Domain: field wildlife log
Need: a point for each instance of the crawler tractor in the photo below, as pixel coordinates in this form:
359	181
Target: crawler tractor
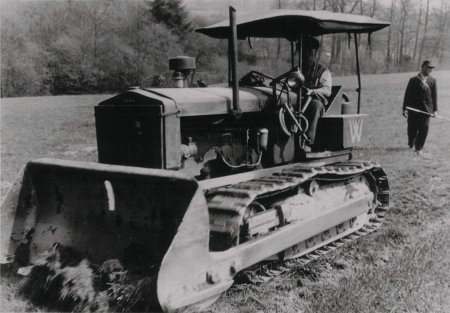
205	183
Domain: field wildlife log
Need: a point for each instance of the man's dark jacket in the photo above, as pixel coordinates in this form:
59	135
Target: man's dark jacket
421	96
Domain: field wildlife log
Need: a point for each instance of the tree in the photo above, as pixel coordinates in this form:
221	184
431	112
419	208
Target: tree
442	22
201	47
372	11
425	27
279	39
172	14
96	28
23	72
417	32
405	4
391	19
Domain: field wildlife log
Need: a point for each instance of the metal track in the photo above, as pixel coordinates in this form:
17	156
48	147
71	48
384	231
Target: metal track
228	204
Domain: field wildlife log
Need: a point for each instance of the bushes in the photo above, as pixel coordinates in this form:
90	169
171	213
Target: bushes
83	47
73	47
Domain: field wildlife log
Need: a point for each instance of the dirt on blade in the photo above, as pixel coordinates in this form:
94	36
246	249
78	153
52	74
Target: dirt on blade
62	280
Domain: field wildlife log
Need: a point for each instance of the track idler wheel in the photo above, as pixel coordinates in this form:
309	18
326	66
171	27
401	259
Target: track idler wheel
312	188
253	209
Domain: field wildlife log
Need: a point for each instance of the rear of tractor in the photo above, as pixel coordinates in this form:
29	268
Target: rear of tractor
196	185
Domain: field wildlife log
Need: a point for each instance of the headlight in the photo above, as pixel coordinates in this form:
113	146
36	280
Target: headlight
295	79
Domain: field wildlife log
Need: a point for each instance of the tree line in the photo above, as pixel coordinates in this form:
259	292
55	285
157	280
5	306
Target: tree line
74	47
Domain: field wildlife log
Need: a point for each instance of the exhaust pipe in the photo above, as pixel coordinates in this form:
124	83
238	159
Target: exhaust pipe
233	59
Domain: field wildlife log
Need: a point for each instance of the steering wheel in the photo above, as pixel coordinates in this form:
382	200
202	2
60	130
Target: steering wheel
290	122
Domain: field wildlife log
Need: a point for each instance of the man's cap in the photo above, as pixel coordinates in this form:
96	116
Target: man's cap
310	43
428	63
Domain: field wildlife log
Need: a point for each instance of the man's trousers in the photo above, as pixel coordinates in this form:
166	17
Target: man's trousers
312	113
418	125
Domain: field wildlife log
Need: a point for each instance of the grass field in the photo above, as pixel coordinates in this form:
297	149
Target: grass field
403	267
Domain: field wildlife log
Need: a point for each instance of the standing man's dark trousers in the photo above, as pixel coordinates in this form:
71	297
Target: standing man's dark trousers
418	125
313	112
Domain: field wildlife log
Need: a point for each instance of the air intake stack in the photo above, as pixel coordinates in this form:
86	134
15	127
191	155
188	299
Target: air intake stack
182	67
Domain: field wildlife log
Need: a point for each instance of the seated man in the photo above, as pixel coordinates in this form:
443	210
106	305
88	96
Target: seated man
318	84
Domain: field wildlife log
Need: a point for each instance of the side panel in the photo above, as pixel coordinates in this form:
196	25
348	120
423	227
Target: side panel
352	129
335	132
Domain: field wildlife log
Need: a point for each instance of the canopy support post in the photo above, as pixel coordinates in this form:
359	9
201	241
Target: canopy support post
292	53
300	66
300	52
358	72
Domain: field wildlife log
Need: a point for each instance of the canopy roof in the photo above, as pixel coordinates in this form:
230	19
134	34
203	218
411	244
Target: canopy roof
290	24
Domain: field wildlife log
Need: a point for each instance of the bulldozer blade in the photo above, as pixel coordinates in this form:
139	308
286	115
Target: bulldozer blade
190	279
157	218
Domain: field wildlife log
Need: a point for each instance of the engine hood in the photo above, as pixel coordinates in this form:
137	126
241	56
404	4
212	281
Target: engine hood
195	101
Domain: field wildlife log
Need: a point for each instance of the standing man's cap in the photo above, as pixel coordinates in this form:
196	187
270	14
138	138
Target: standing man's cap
428	63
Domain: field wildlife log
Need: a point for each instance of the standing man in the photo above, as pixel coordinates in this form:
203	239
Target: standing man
420	94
